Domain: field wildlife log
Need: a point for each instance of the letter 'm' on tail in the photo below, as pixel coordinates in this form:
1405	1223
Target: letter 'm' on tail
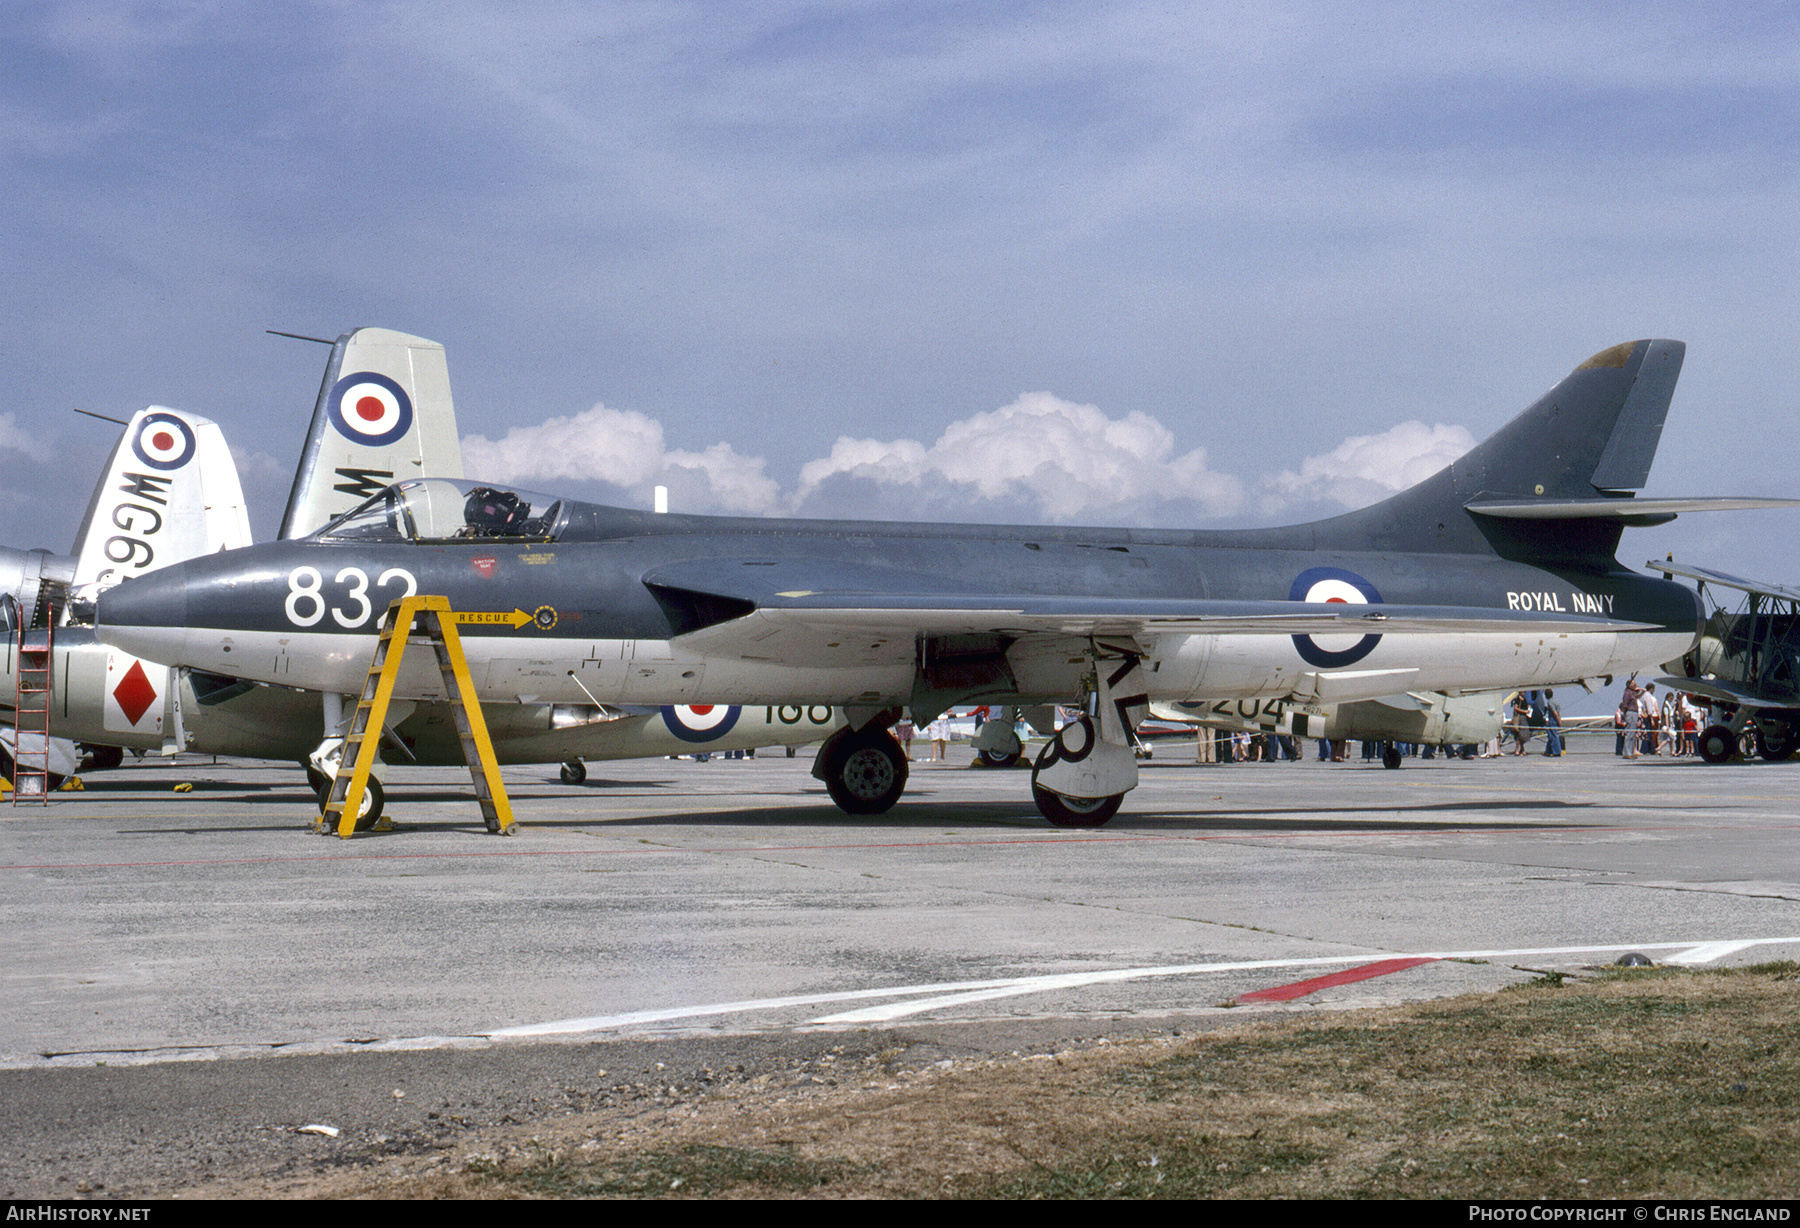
1554	486
170	492
384	415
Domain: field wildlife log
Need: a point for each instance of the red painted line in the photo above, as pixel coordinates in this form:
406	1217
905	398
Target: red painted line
1349	976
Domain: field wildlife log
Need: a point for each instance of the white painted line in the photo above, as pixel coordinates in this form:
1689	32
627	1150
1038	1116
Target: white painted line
1707	952
932	997
598	1023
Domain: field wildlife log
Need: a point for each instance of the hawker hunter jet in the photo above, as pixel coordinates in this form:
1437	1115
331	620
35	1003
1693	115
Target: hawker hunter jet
1496	572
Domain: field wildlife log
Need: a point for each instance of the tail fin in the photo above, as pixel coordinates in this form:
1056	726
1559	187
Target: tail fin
1551	487
384	415
170	493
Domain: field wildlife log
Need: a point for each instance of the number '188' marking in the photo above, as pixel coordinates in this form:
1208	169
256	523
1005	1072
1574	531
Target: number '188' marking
306	599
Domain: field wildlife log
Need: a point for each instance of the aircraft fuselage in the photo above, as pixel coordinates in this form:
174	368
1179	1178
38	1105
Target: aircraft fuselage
589	616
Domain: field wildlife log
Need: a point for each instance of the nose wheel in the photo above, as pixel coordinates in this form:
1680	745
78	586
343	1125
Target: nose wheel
373	801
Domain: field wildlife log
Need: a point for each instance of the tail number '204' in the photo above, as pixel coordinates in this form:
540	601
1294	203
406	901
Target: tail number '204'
306	599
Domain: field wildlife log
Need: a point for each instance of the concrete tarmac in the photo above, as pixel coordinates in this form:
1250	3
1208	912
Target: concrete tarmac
708	915
731	896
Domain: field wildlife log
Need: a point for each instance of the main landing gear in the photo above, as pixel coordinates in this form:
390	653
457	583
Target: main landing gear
863	769
1086	770
1079	779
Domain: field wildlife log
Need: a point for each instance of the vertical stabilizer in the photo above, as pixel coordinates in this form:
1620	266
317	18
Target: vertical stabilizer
1584	446
170	493
384	415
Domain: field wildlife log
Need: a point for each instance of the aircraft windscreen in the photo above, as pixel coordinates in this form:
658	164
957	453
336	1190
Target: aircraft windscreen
435	509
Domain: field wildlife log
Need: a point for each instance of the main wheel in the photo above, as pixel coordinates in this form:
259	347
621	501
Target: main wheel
574	772
374	799
1775	740
1716	744
103	758
999	759
1390	756
1075	811
865	773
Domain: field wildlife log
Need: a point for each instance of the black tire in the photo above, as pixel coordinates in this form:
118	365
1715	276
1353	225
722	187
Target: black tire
374	801
865	773
999	759
574	772
1390	756
1075	811
1775	741
103	758
1716	744
316	780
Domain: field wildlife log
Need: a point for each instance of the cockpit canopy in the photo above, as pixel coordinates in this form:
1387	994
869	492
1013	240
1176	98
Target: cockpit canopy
438	509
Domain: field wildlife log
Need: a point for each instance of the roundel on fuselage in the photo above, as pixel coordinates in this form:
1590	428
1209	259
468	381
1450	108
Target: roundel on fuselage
700	723
370	408
163	441
1333	584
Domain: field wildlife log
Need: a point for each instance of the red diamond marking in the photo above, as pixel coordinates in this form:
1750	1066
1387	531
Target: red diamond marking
134	694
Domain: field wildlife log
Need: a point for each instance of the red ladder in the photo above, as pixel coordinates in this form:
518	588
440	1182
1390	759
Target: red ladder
31	716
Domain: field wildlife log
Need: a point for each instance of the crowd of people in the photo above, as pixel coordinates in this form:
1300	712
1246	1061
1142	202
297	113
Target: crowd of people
1646	725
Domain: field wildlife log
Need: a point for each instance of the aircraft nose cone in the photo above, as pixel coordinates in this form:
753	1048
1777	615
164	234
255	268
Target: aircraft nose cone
145	616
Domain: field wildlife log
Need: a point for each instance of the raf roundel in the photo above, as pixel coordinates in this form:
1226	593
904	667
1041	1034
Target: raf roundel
370	408
700	723
1332	585
163	441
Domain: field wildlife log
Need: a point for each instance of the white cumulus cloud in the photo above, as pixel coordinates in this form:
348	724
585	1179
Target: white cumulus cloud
1041	454
1365	468
626	449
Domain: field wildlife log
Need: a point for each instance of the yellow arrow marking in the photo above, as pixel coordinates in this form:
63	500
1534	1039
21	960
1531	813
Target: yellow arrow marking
513	618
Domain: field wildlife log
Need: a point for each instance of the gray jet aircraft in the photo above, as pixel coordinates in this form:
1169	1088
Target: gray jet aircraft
1499	571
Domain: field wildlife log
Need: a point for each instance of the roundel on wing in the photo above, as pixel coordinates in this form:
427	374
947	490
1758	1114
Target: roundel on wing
700	723
370	408
163	441
1332	585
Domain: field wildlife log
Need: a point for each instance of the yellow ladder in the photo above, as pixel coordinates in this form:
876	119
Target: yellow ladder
364	736
34	667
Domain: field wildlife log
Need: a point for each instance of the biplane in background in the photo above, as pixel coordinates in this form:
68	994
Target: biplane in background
1744	665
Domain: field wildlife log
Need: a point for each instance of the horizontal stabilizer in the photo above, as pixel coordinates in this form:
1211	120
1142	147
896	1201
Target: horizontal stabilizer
1626	511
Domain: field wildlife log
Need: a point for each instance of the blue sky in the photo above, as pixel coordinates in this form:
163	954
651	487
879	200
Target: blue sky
1107	263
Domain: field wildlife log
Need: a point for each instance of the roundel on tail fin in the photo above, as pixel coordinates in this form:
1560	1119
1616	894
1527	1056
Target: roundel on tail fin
370	408
163	441
1331	585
